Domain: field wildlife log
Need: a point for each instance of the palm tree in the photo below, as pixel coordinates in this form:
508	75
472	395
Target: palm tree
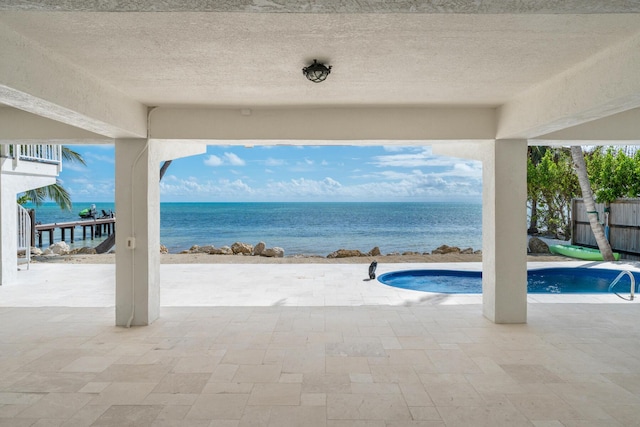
589	203
55	192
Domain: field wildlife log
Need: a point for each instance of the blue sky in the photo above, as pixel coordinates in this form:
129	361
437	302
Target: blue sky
290	173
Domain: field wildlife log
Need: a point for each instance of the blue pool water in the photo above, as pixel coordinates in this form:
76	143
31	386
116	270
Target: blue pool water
539	281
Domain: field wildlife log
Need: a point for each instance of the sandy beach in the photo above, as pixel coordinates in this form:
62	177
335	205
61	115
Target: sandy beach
200	258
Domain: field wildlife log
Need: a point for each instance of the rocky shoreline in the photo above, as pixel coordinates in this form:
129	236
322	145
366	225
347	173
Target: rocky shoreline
247	254
260	250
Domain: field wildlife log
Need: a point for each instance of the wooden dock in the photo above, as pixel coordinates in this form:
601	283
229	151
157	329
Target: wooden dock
96	228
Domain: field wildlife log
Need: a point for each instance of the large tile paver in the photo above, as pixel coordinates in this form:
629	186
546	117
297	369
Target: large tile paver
236	361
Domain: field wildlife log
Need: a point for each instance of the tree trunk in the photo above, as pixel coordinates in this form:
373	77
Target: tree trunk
589	203
533	224
164	168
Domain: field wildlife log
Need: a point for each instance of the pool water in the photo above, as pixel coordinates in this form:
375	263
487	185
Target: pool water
539	281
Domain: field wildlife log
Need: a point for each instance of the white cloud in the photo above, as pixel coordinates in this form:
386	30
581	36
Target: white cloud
274	162
296	188
213	160
395	175
92	190
399	148
412	160
472	169
234	159
387	185
403	174
457	181
193	189
226	159
425	159
236	185
76	167
412	187
100	158
331	183
304	165
420	185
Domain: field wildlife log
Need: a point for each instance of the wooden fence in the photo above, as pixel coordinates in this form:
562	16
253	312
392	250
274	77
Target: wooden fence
624	226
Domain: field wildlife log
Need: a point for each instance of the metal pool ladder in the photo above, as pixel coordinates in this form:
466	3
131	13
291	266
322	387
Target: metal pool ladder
617	279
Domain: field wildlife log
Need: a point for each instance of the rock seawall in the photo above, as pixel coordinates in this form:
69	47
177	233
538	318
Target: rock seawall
238	248
261	249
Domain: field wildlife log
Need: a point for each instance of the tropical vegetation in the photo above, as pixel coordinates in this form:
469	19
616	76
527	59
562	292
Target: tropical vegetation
614	172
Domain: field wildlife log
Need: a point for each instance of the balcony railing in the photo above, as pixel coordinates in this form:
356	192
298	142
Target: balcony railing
41	153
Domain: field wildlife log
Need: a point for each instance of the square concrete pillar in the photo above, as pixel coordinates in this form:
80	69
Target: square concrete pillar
504	231
504	224
137	234
138	225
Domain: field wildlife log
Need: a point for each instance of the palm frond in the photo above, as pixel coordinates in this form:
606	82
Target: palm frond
59	195
35	196
54	192
72	156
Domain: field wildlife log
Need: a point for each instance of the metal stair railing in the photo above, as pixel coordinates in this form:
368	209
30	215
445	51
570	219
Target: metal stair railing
633	284
24	235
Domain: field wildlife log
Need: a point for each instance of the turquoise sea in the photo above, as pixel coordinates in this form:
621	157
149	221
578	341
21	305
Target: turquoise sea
306	228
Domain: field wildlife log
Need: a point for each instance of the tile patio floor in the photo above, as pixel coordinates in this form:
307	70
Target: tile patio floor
307	345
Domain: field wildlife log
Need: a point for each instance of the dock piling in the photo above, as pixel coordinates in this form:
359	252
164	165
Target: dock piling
97	227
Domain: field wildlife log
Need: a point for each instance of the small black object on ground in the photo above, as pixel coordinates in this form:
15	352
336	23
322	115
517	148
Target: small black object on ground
372	270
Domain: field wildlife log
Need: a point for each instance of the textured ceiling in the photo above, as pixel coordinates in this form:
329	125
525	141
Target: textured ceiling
255	59
331	6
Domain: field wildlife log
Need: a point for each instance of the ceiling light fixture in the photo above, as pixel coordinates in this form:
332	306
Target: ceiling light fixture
316	72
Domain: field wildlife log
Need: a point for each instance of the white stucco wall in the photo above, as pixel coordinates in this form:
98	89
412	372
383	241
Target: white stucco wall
14	180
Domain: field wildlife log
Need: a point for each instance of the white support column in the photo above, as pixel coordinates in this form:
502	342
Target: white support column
137	216
504	225
504	231
10	185
138	226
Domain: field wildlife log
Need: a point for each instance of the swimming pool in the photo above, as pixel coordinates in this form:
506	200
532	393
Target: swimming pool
560	280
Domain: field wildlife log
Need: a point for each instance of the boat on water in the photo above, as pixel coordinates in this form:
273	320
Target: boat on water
580	252
89	212
92	213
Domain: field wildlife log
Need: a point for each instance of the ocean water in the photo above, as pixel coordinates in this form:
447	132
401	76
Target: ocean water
306	228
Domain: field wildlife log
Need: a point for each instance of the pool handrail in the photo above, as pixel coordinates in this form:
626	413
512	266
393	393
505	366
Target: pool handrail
631	277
